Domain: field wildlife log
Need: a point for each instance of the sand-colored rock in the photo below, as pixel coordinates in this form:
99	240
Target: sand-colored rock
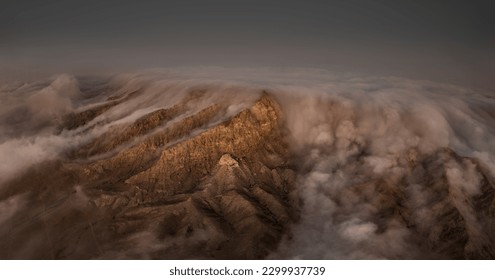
184	183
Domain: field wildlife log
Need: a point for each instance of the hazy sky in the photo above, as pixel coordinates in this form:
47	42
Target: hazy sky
449	40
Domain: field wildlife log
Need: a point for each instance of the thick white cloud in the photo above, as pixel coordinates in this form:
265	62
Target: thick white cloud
344	131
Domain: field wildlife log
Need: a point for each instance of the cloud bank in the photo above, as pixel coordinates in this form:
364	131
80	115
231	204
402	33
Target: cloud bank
360	144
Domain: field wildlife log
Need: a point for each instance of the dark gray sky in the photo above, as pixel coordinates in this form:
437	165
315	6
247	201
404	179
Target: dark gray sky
449	40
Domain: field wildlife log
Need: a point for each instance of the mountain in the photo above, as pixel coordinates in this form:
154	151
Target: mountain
187	184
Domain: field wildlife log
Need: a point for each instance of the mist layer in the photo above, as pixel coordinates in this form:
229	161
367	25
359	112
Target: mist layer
295	164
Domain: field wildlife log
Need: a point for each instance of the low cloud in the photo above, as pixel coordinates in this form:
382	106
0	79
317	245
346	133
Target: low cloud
355	140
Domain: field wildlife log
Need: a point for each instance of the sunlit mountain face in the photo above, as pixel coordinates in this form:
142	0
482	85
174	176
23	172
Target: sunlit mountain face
220	163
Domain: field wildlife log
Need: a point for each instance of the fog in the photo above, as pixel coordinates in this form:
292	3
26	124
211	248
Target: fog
347	135
357	131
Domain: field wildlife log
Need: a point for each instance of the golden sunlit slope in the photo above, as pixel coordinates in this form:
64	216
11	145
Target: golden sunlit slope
170	179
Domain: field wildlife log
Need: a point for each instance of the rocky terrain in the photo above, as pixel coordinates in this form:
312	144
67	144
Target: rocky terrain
203	176
186	189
